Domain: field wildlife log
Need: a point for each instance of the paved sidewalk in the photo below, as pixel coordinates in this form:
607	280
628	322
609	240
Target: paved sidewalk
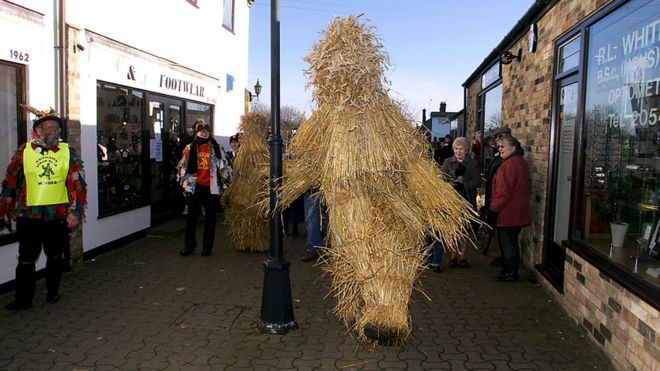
142	306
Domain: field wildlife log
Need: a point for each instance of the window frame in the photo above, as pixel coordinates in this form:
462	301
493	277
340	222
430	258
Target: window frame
481	114
21	122
232	19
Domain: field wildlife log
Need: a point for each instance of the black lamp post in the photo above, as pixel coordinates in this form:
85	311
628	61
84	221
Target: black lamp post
276	303
257	91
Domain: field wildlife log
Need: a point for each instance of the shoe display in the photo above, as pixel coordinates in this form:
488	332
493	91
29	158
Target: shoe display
453	263
309	256
463	263
186	251
16	305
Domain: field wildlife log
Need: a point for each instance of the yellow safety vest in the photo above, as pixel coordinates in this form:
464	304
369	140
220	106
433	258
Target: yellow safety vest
45	175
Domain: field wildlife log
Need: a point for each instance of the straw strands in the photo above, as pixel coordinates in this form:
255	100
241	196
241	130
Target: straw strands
384	193
248	229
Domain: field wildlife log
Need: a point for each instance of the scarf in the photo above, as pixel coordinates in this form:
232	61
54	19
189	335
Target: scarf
192	155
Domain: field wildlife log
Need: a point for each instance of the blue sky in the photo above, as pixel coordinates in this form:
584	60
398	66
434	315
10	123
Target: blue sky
433	45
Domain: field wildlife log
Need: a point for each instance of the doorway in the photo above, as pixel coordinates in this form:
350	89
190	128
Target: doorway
165	132
562	181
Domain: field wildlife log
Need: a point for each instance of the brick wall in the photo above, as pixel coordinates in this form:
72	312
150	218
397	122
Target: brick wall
622	324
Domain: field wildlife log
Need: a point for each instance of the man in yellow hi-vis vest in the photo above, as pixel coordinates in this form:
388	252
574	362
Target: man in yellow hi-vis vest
45	191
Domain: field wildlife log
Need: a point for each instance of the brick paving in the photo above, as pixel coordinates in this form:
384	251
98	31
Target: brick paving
144	307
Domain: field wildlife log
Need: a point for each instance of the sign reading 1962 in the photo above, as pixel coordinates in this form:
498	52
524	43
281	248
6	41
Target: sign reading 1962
19	56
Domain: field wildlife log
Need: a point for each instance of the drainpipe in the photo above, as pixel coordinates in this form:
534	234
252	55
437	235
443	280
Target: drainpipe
60	57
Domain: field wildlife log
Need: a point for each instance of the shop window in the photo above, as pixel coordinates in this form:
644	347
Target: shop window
491	75
228	15
619	210
492	119
10	117
119	148
569	55
194	111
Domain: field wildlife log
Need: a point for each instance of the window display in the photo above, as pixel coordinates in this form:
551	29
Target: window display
622	133
119	147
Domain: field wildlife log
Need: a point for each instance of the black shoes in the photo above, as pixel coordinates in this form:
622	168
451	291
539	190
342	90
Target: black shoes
52	298
507	278
437	269
186	251
456	263
309	256
18	305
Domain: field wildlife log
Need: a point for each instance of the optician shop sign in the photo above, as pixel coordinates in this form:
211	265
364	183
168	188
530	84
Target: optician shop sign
624	68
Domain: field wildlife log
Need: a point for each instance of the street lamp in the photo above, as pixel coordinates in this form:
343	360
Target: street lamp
276	302
257	91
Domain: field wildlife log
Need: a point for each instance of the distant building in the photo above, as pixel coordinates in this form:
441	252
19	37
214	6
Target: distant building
439	124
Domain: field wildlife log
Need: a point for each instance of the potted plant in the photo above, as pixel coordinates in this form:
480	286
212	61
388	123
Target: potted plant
622	205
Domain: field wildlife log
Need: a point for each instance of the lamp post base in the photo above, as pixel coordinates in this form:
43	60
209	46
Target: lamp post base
276	303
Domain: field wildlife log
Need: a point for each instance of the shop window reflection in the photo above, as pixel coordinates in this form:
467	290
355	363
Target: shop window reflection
492	119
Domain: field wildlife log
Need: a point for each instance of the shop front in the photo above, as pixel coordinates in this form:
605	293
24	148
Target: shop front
583	98
130	120
133	133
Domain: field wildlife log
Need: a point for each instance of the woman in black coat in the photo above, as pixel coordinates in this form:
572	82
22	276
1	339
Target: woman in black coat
463	173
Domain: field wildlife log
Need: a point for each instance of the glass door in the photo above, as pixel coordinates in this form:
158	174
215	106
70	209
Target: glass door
164	154
562	180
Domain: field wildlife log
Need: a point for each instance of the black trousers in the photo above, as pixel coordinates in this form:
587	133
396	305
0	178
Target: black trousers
508	237
33	235
201	198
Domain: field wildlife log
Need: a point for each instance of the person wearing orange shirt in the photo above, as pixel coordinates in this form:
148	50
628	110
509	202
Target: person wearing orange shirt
199	174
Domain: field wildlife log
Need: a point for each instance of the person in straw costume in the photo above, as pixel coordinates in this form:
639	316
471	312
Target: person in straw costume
248	229
383	191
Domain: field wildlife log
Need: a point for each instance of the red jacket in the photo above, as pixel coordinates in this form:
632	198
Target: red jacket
511	193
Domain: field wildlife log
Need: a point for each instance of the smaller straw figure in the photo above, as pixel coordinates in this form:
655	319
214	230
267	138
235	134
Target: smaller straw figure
248	230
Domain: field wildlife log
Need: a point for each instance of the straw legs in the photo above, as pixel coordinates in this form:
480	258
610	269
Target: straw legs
511	253
202	197
32	235
313	225
435	253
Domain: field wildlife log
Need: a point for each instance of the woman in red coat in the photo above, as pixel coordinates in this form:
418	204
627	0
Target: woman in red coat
509	209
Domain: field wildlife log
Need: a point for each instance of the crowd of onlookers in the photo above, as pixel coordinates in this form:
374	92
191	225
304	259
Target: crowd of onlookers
502	191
